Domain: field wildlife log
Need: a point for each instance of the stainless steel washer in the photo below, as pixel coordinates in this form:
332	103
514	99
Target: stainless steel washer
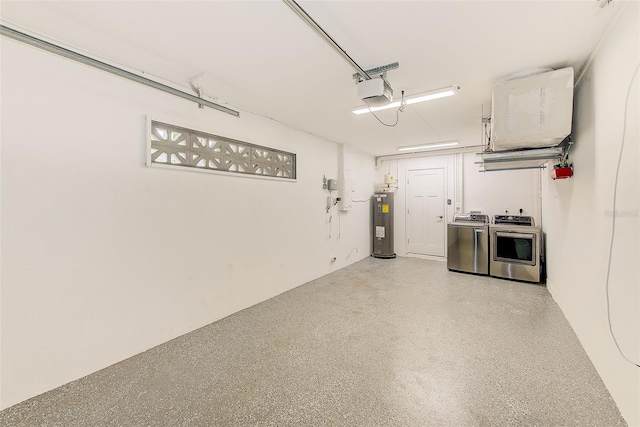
468	243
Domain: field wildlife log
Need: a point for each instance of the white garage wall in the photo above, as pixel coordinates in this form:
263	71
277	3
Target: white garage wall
578	216
104	258
495	192
400	168
488	192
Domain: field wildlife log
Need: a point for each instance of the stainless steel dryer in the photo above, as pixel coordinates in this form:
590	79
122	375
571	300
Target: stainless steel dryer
468	243
516	248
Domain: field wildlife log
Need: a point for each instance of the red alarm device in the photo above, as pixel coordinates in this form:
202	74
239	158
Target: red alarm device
562	172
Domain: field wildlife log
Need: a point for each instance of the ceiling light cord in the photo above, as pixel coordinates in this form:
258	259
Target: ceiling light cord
400	109
613	222
386	124
403	103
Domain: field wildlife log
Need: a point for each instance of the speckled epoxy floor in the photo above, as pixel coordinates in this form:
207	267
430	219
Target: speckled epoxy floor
397	342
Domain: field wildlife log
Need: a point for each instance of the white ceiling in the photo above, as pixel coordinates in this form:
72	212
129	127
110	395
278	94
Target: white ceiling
259	56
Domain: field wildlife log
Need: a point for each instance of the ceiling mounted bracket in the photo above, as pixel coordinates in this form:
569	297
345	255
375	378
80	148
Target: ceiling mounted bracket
196	86
382	71
535	158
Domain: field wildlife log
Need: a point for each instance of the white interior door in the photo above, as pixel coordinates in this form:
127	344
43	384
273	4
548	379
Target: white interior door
425	211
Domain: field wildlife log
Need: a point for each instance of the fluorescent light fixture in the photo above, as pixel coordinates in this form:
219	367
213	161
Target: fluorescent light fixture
414	99
428	146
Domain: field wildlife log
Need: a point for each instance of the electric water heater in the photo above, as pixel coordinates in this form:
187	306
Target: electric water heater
383	225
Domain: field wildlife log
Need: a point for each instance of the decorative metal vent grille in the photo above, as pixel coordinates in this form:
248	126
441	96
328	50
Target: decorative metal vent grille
172	145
